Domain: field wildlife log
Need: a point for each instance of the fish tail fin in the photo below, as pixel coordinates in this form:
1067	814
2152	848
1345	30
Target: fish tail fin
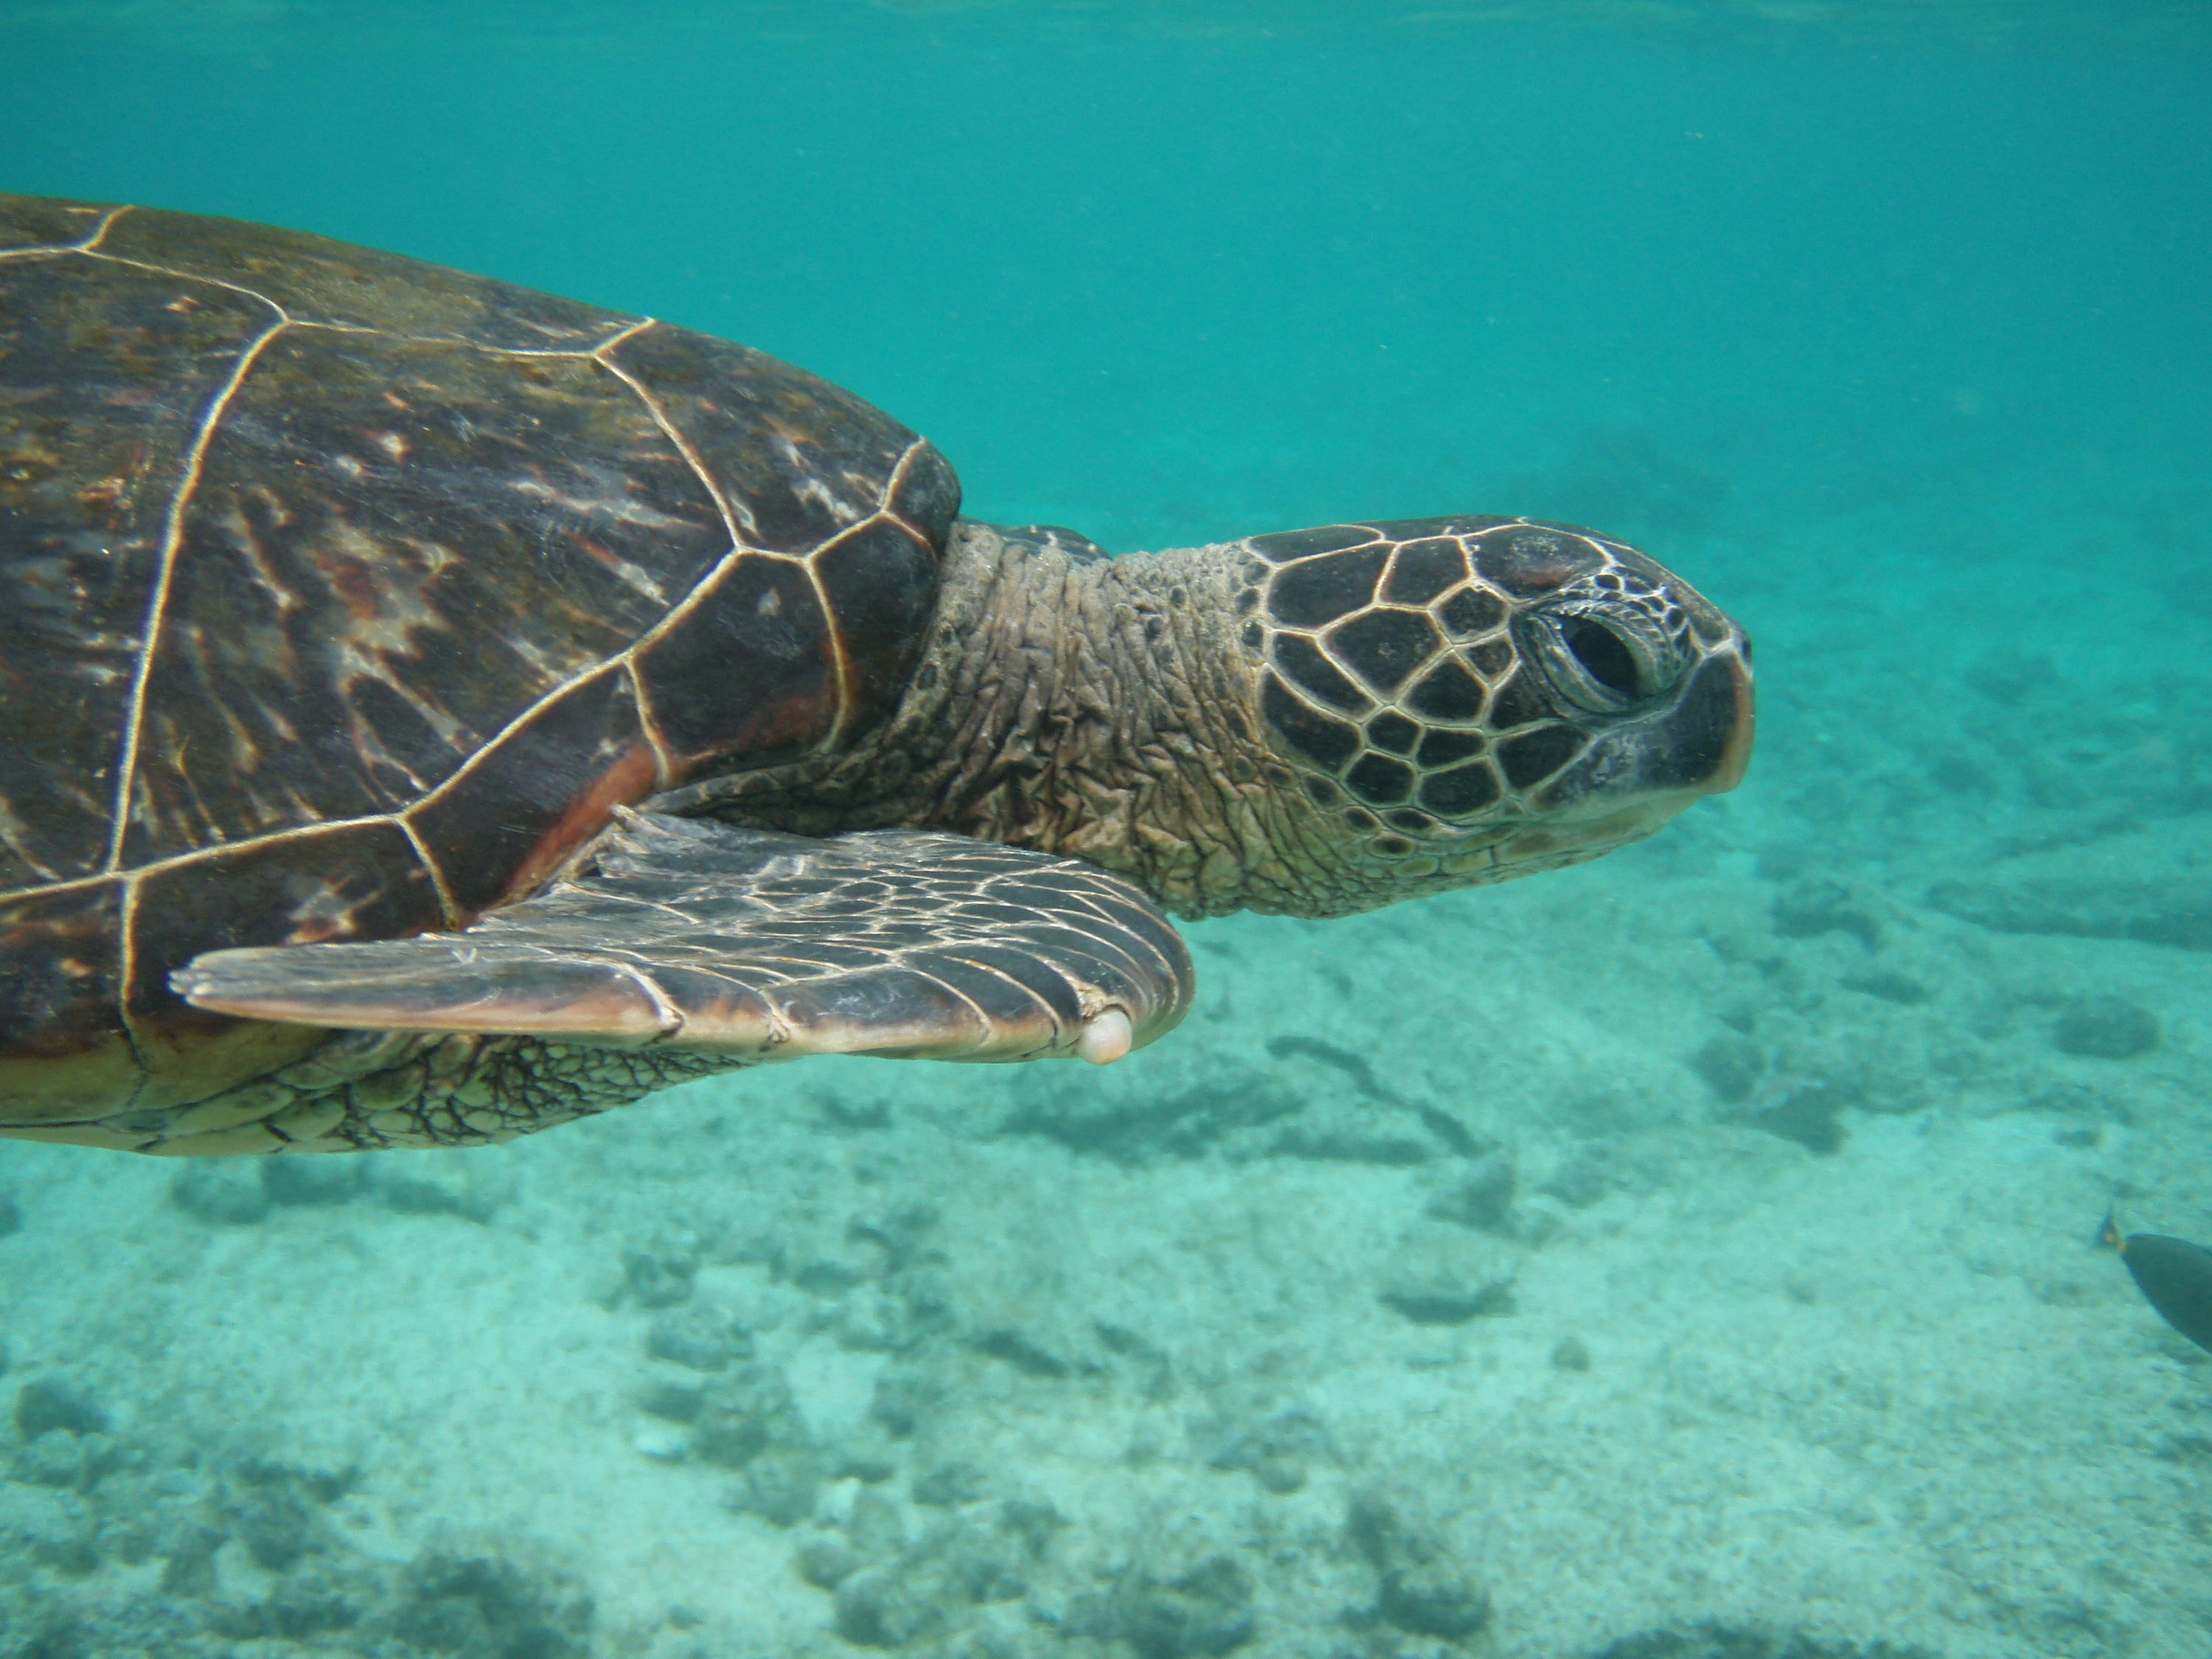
2109	1235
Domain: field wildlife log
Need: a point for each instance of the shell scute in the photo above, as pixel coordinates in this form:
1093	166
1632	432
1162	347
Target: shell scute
926	495
1422	569
526	797
60	984
877	578
749	670
1526	560
28	222
337	285
365	593
797	459
92	446
1316	592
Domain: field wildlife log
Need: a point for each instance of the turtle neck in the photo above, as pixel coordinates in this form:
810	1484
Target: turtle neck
1100	709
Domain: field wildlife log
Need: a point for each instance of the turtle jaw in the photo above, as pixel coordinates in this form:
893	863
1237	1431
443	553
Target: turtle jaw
1736	754
1634	778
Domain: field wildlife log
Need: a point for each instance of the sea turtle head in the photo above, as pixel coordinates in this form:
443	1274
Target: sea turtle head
1313	723
1464	701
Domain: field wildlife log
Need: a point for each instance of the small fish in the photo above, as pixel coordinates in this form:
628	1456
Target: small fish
2174	1276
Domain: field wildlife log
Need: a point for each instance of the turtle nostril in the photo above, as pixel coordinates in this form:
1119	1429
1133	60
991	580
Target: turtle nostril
1604	655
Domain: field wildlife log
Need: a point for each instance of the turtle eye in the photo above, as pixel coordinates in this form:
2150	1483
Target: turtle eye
1597	660
1603	654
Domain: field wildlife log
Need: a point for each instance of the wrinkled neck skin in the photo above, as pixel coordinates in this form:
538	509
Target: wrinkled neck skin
1104	709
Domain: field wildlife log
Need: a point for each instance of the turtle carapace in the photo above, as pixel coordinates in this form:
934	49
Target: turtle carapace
431	710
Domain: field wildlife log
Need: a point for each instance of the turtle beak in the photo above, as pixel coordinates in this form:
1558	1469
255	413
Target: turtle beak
1701	745
1636	777
1735	752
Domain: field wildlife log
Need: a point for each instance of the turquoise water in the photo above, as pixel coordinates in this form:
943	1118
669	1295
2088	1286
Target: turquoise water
1886	324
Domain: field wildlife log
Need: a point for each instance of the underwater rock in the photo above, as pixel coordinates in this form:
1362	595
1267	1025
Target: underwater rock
274	1521
54	1402
875	1528
1187	1124
902	1399
1439	1301
1033	1521
1328	1105
872	1535
1730	1064
2104	1028
1422	1588
1582	1179
1808	1114
1570	1354
1278	1449
221	1193
455	1604
891	1607
54	1528
1433	1599
893	1318
672	1400
700	1338
1889	986
475	1604
780	1486
1713	1641
188	1572
287	1588
1026	1355
11	1218
62	1457
1337	1132
950	1484
829	1275
317	1600
938	1585
746	1412
2174	910
1150	1369
659	1273
1206	1611
1389	1129
900	1232
861	1456
825	1563
1807	909
1483	1197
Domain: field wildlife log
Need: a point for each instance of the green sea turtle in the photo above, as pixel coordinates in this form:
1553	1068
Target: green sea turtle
348	605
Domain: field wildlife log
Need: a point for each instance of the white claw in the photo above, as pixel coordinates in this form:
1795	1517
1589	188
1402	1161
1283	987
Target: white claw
1106	1038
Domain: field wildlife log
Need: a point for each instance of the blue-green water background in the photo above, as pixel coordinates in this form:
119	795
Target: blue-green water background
1178	271
1887	324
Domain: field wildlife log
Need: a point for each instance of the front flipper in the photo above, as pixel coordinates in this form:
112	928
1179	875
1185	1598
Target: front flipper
696	936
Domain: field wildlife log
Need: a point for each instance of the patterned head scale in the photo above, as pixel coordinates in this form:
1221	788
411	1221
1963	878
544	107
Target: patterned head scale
1444	684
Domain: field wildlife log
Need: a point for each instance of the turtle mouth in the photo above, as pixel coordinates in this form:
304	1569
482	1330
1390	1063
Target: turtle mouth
1735	758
